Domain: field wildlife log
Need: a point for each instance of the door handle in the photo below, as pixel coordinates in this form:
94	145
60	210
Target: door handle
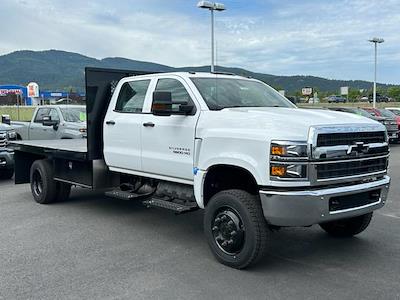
111	122
148	124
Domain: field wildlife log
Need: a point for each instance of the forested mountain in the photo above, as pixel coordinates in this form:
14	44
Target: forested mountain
60	70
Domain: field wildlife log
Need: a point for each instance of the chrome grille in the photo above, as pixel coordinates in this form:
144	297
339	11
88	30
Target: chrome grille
344	153
348	138
3	140
351	168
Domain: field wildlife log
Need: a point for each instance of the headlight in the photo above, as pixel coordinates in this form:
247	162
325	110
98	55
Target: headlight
288	149
288	160
288	171
12	135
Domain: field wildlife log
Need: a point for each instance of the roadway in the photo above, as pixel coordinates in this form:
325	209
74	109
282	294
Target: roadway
92	247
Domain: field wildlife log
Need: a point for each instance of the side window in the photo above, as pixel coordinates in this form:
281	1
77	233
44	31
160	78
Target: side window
40	114
54	115
178	92
131	96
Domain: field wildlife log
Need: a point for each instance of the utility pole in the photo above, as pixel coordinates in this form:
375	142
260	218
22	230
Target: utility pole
376	41
211	6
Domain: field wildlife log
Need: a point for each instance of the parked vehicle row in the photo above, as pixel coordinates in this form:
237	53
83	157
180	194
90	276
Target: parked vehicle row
384	116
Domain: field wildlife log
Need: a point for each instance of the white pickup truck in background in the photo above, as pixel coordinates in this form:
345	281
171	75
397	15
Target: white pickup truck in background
50	122
230	145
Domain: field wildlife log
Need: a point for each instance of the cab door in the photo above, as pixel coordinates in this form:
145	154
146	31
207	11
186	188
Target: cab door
37	131
122	126
168	141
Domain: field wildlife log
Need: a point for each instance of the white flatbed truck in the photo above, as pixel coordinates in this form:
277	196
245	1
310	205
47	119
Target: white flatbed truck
230	145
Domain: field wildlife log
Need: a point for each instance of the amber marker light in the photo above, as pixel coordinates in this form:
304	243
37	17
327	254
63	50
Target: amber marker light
278	171
278	150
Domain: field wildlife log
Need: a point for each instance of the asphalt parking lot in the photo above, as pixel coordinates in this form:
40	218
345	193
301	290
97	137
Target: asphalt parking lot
92	247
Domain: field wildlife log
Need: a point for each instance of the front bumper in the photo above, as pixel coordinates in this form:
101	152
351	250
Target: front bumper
393	135
308	207
6	159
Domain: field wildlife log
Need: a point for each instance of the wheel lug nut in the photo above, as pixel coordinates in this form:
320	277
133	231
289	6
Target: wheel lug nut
230	223
224	244
233	233
230	242
217	220
215	228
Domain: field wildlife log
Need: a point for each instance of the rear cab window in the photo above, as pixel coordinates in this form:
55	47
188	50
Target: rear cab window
132	96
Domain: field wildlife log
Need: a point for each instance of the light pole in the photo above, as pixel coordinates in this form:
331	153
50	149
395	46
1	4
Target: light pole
211	6
376	41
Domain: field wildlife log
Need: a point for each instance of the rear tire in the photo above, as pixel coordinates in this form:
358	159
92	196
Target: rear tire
235	228
347	227
43	186
7	174
63	191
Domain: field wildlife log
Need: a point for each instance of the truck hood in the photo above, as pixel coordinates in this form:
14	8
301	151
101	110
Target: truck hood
5	127
274	122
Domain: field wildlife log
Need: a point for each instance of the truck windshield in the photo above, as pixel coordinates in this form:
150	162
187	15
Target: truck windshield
74	114
220	93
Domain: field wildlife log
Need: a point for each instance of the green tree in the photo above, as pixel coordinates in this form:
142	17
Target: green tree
354	94
394	92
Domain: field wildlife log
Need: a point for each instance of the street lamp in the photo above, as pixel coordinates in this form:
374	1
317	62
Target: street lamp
211	6
376	41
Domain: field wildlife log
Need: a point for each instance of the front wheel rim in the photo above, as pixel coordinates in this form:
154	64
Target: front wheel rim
228	231
37	183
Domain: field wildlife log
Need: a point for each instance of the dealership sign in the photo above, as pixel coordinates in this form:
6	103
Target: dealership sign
5	92
344	90
33	90
307	91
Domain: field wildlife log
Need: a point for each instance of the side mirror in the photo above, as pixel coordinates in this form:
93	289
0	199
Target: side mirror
47	121
5	119
162	104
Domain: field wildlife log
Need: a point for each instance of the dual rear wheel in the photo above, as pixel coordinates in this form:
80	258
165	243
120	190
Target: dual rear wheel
45	189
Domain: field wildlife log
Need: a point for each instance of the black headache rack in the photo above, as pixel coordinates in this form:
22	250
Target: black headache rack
77	161
100	85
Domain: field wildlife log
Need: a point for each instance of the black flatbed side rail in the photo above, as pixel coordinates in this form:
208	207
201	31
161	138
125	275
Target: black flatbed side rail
49	152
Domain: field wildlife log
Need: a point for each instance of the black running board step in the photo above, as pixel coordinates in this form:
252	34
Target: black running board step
176	207
126	195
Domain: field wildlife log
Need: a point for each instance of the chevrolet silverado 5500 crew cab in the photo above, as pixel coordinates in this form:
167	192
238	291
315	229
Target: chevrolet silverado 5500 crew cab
230	145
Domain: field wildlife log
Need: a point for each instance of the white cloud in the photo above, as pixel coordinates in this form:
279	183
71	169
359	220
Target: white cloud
317	37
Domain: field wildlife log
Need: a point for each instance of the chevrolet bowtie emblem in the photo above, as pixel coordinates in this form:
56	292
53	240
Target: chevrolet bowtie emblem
358	147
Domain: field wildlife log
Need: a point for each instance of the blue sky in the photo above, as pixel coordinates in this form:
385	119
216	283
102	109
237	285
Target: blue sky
326	38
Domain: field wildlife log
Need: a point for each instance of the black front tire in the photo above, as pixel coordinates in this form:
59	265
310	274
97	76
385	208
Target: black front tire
347	227
235	228
6	174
